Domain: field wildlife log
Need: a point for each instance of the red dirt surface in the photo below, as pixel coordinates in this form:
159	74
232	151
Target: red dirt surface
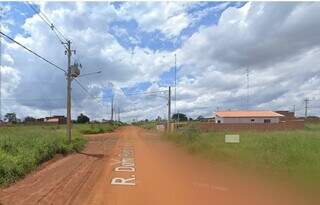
160	173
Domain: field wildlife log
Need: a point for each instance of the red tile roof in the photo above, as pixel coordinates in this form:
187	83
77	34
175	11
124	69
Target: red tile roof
248	114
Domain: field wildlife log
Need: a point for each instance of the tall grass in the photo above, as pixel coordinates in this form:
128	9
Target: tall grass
97	128
146	125
292	153
23	148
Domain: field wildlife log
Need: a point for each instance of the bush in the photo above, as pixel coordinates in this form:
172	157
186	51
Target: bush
97	128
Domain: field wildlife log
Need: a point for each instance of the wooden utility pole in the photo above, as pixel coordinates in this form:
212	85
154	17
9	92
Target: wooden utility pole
169	109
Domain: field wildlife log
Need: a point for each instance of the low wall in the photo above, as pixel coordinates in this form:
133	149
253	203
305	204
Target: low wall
289	125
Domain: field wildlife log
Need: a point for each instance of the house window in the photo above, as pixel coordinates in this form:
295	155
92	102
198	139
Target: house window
219	121
252	120
267	121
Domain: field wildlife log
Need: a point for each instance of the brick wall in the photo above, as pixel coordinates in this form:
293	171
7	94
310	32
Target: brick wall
289	125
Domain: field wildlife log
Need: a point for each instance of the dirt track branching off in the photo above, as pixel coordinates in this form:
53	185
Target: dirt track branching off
24	148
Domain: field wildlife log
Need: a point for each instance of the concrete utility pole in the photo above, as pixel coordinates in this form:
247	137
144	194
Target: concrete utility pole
69	53
0	64
175	83
169	109
111	108
306	101
118	113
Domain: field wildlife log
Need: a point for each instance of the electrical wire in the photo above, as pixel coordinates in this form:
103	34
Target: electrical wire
88	93
56	31
34	53
145	93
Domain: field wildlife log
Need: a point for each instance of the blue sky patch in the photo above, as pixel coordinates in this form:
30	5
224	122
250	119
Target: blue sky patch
139	87
19	12
129	35
167	77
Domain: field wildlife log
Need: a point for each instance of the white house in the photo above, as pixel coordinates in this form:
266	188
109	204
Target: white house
247	117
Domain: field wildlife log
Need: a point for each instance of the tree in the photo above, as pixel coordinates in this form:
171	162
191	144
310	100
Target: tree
30	119
200	118
159	119
180	116
10	117
83	118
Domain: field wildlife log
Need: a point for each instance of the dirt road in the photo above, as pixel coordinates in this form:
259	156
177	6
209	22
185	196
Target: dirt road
132	166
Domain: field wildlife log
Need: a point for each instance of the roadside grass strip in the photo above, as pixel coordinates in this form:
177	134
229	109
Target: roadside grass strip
291	154
24	147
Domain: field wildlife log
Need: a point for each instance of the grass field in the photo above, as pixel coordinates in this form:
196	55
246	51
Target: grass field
294	154
24	148
97	128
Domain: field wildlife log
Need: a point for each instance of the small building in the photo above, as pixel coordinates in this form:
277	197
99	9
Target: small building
56	119
247	117
287	115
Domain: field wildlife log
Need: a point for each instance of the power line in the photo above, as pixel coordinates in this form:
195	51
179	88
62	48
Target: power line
37	99
38	13
44	17
56	31
87	92
145	93
34	53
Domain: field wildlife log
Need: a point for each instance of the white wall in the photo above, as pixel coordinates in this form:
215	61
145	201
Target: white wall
246	120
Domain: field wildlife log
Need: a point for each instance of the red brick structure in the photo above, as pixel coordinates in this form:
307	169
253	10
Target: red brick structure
288	125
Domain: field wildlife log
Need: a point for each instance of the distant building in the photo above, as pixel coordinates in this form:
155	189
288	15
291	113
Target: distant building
287	115
248	117
40	120
56	119
207	119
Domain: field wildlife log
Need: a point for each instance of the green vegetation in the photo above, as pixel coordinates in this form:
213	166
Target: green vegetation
294	154
97	128
23	148
149	125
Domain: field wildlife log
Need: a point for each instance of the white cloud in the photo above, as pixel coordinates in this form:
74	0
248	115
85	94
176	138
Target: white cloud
279	43
168	17
96	49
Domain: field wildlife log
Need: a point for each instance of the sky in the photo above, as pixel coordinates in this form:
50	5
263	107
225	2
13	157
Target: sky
229	56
